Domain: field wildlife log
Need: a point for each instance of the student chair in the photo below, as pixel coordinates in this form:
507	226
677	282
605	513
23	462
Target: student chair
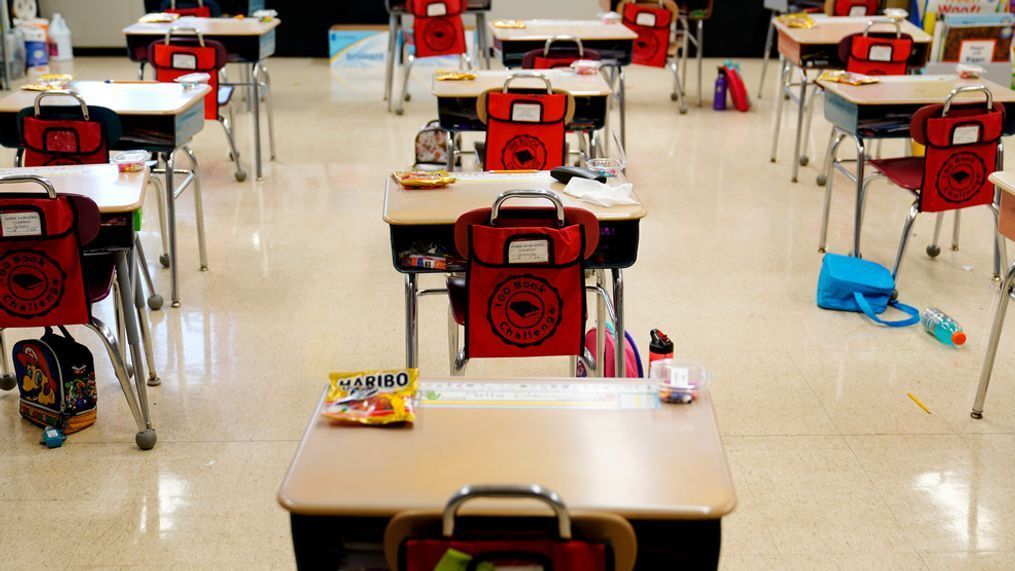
878	53
525	129
199	8
75	135
657	45
553	56
51	259
1006	227
963	148
185	51
417	540
523	293
437	30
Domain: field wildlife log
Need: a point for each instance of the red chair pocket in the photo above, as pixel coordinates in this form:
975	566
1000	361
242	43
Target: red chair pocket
856	7
41	280
879	55
961	154
526	291
176	60
525	131
652	24
63	142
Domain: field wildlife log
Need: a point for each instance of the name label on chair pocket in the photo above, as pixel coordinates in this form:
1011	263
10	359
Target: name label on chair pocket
529	252
20	224
880	53
858	11
527	112
184	61
646	19
966	135
439	9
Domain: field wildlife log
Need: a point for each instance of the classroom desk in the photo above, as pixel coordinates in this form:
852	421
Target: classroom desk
422	222
158	117
396	10
614	42
456	100
778	8
883	110
597	460
248	41
119	198
817	49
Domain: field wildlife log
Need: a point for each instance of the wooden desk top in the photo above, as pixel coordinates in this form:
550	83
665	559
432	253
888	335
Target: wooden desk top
914	90
566	79
540	30
1005	180
444	206
207	26
112	191
666	463
123	98
829	30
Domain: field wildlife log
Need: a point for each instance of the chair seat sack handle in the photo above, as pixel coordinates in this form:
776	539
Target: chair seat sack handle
968	89
528	75
37	179
184	30
884	21
61	93
564	38
540	193
531	491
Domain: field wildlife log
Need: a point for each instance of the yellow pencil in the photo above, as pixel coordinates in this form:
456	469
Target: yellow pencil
918	403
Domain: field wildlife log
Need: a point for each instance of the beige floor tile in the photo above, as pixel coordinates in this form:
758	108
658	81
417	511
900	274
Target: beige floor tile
845	562
987	561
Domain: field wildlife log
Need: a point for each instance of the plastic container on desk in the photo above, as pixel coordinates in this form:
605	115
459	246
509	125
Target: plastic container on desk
678	381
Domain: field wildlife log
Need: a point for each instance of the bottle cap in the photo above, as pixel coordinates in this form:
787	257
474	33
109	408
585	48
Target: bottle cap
660	343
959	338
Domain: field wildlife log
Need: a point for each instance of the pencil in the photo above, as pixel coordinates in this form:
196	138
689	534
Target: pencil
918	403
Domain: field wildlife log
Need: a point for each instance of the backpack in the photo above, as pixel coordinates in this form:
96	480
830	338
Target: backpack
853	284
632	358
56	379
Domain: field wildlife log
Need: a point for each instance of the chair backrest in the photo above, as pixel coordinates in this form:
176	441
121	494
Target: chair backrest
437	27
200	8
852	7
652	21
415	539
66	135
525	130
877	53
525	277
42	279
554	56
962	147
184	51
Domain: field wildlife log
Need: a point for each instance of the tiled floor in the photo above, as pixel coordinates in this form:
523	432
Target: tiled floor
835	467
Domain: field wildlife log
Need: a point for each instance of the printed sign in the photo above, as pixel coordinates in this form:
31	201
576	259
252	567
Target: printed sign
977	51
529	252
527	112
20	224
966	135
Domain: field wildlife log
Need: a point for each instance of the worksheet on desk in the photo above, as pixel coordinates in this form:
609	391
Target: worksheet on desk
567	394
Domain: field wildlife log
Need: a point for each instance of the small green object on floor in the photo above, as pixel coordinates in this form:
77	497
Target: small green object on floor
52	437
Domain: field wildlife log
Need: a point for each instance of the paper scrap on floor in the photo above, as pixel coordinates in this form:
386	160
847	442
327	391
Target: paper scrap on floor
601	194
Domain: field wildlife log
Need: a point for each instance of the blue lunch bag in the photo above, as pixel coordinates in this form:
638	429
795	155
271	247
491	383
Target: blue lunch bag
854	284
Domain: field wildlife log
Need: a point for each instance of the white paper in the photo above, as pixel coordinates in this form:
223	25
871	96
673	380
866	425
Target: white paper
601	194
880	53
184	61
436	10
529	252
527	112
858	11
966	135
646	19
20	224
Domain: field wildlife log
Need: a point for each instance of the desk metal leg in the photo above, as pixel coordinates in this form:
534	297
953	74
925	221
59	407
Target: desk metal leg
600	326
700	48
174	296
411	321
269	104
481	40
389	63
142	318
801	112
124	262
995	336
769	38
7	380
619	340
780	102
1000	249
256	97
830	161
623	105
861	184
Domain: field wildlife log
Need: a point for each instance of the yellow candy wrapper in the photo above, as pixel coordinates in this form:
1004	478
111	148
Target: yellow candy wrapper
509	24
159	18
372	397
453	75
797	20
847	77
423	179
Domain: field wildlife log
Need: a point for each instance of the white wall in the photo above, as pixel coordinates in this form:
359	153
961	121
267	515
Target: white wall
511	9
95	23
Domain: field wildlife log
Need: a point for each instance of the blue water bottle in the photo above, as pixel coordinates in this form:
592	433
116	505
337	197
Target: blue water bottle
943	328
719	101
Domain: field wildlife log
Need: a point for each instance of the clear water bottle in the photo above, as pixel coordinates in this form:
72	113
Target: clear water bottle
942	327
